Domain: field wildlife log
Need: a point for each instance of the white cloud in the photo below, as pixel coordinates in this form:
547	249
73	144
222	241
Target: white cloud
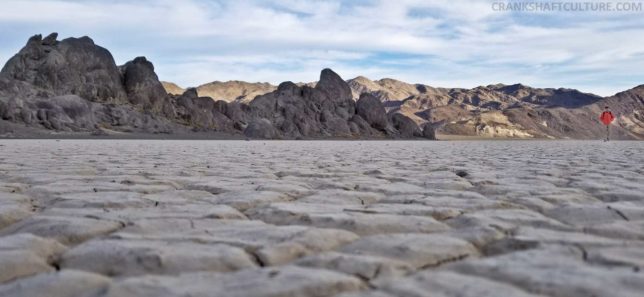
442	42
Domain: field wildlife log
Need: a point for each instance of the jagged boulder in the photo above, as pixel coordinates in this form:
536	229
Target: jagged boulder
50	40
405	127
320	111
372	111
74	85
428	131
71	113
237	112
261	128
73	66
143	87
68	112
333	86
201	113
62	113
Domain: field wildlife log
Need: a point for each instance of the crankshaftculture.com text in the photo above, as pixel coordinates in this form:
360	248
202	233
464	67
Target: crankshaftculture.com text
569	6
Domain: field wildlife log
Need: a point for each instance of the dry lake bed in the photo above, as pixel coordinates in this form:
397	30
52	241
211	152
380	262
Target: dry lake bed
123	218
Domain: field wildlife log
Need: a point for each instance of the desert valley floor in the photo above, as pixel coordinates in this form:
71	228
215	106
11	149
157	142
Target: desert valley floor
122	218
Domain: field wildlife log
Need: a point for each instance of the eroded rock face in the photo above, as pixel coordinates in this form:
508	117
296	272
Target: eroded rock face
428	131
144	88
201	113
372	111
74	85
308	112
405	126
326	110
71	66
261	128
333	85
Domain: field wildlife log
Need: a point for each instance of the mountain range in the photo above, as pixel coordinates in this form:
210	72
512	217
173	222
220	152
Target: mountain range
506	111
74	87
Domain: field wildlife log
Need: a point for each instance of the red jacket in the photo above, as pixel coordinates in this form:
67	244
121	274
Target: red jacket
607	117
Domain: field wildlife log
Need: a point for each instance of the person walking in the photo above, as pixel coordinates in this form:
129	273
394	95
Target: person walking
607	117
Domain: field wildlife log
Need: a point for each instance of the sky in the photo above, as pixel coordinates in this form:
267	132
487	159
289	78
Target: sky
442	43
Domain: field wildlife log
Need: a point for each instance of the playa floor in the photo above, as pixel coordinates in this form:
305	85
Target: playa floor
151	218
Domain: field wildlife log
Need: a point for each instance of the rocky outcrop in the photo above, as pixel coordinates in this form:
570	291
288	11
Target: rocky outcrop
372	111
305	111
71	66
71	113
75	86
428	131
261	128
143	87
201	112
59	112
335	88
326	110
405	126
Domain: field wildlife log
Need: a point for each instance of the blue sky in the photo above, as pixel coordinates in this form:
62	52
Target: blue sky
450	43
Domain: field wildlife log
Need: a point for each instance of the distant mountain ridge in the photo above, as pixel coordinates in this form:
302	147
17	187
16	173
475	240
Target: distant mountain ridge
499	110
234	90
509	110
229	91
172	88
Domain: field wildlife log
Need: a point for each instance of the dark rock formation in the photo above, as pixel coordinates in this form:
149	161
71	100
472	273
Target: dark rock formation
428	131
327	110
50	40
261	128
201	113
68	112
143	87
405	126
333	86
75	86
372	111
72	66
238	113
308	112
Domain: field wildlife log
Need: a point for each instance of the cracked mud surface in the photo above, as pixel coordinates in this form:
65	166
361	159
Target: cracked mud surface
328	218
